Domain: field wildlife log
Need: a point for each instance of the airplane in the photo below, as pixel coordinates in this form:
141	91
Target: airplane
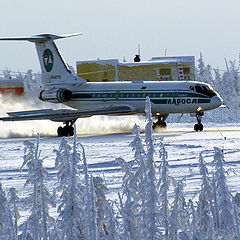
60	85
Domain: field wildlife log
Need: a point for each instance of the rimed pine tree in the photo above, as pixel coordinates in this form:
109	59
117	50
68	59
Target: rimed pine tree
227	227
90	211
205	204
7	231
40	198
101	206
13	203
71	210
179	215
151	190
164	184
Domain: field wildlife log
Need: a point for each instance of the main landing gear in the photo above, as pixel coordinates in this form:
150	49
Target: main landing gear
67	130
160	124
198	126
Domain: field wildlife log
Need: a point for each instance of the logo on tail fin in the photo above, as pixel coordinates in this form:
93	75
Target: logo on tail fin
48	59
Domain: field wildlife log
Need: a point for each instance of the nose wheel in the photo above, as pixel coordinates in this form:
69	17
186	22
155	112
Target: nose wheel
67	130
198	126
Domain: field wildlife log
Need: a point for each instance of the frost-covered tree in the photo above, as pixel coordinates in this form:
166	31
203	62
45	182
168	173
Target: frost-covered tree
233	72
194	226
138	148
139	201
139	184
151	190
133	201
40	198
201	67
62	163
101	206
90	210
7	73
71	210
13	203
227	227
204	73
164	184
129	207
229	88
112	232
205	206
93	211
179	215
7	230
84	211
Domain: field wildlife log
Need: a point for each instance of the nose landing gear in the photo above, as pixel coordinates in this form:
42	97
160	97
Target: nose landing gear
67	130
198	126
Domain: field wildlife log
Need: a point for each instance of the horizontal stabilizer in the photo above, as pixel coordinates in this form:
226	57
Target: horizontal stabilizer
40	37
30	112
62	115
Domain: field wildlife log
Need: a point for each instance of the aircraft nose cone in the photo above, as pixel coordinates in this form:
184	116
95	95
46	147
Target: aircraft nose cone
216	101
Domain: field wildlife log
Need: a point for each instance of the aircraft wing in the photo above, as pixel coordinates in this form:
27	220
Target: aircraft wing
62	115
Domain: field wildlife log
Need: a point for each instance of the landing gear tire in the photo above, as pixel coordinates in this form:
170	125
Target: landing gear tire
198	127
66	131
60	132
70	130
160	124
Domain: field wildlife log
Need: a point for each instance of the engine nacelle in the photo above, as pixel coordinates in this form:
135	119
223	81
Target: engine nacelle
56	95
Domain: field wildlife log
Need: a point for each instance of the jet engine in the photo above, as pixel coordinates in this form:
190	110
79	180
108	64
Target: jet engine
56	95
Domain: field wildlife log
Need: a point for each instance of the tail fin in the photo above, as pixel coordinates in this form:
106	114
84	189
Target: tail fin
53	67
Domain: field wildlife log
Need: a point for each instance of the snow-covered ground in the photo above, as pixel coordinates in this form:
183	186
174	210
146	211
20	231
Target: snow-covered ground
182	144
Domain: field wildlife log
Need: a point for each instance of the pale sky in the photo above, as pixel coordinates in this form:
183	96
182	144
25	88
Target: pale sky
113	29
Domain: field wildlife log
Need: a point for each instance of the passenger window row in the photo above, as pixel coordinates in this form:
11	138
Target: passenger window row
129	95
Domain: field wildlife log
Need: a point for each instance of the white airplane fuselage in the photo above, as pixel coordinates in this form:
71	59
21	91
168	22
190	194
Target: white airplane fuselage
166	97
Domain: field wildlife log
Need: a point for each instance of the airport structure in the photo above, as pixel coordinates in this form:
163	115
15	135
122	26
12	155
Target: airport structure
18	83
11	83
176	68
156	69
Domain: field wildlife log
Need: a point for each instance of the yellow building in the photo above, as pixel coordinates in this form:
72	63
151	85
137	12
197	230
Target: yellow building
157	69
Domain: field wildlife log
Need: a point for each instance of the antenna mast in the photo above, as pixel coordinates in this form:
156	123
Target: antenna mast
137	56
139	52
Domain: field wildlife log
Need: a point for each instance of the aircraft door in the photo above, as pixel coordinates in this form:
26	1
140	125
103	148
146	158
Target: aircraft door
104	96
117	95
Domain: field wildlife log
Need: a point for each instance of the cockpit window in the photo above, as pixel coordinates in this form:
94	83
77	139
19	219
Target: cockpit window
203	89
191	88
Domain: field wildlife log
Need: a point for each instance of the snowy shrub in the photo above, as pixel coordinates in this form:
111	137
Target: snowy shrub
40	198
